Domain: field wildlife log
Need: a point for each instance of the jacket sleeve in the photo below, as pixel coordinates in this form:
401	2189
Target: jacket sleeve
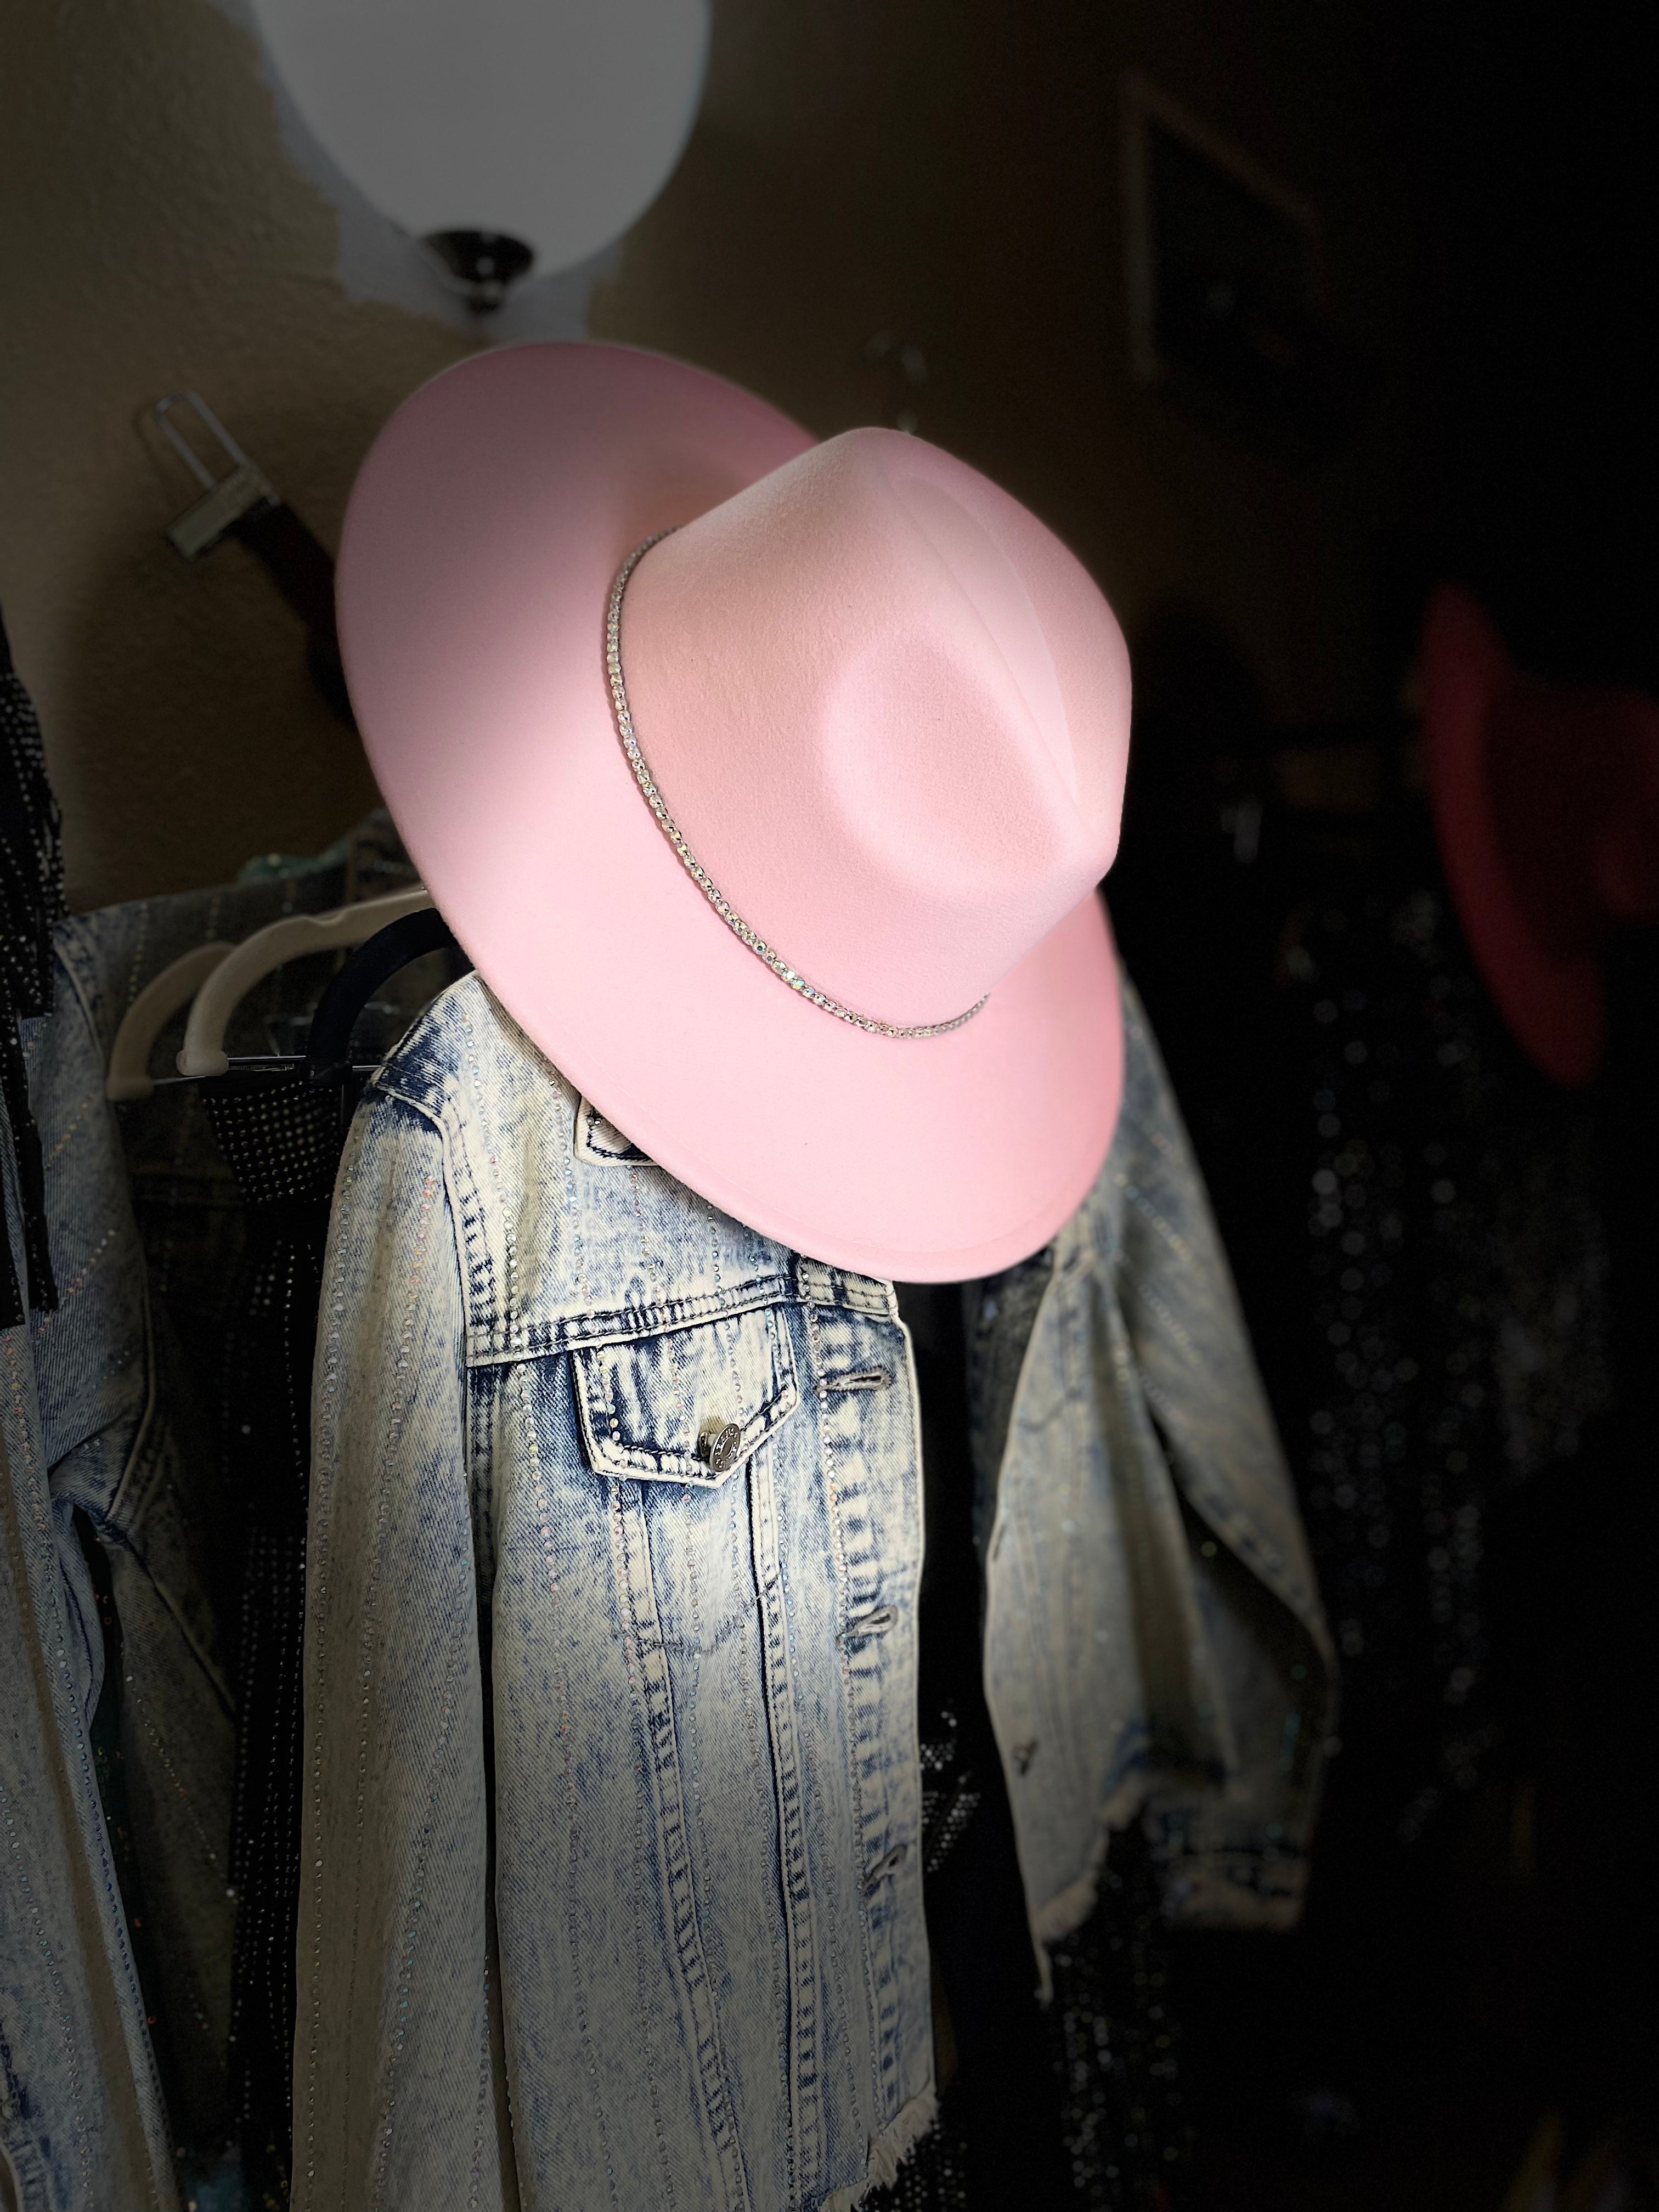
395	2097
1271	1658
1190	1342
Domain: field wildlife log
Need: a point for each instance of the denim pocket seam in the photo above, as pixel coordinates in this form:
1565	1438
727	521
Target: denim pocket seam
596	1368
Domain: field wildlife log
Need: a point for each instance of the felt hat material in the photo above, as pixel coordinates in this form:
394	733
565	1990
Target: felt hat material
1546	802
888	712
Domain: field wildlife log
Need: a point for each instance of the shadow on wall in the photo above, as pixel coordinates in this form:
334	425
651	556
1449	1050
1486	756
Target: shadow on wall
1200	726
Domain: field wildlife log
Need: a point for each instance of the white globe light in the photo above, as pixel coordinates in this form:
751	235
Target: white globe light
554	122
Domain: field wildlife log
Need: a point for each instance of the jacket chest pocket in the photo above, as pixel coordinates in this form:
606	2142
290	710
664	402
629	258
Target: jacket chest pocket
681	1415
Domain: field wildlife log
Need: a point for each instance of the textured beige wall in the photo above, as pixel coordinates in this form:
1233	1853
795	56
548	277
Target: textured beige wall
945	169
153	235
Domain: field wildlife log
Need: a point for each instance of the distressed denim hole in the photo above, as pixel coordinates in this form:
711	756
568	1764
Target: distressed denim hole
877	1622
861	1378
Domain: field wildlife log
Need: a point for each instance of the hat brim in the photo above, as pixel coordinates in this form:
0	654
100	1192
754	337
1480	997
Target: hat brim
483	536
1552	1004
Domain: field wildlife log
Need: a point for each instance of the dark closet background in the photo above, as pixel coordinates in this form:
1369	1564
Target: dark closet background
1475	1981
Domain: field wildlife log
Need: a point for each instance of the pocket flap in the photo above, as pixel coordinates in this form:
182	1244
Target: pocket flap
689	1405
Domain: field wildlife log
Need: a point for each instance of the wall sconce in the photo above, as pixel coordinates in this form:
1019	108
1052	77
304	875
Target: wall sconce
502	135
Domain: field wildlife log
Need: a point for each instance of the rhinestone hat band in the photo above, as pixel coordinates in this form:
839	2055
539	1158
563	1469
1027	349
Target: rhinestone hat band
694	867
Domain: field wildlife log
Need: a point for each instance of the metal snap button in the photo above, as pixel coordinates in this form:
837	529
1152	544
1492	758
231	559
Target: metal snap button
718	1440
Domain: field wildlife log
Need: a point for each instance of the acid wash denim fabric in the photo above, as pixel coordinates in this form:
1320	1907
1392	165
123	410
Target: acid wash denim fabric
102	1411
613	1896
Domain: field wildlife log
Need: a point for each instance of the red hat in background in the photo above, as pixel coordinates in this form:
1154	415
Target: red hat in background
1546	802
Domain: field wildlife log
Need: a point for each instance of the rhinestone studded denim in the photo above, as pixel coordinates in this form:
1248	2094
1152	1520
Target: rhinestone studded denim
108	1425
615	1822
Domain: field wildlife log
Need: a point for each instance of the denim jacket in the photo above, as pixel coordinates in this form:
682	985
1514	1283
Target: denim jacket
613	1892
107	1414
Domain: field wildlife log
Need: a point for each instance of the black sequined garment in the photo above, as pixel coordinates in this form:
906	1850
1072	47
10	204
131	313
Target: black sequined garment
1418	1223
1452	1444
1459	1257
31	901
1075	2105
283	1141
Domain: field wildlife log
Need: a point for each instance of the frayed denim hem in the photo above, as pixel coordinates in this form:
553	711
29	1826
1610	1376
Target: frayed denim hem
888	2151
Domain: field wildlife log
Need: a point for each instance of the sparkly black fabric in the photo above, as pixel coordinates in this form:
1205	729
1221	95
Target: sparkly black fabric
31	901
1077	2104
1112	2040
934	2177
1418	1224
283	1140
1459	1278
1109	2036
1116	2028
951	1791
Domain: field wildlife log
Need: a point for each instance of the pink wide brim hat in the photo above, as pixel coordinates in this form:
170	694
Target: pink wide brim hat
483	540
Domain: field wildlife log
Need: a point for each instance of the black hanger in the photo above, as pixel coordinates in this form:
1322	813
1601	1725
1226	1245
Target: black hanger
328	1061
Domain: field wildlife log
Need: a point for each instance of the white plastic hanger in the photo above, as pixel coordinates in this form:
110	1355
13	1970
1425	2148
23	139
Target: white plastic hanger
149	1015
292	938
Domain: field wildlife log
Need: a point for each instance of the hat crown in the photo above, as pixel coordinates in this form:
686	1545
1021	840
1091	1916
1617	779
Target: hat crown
834	646
888	712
